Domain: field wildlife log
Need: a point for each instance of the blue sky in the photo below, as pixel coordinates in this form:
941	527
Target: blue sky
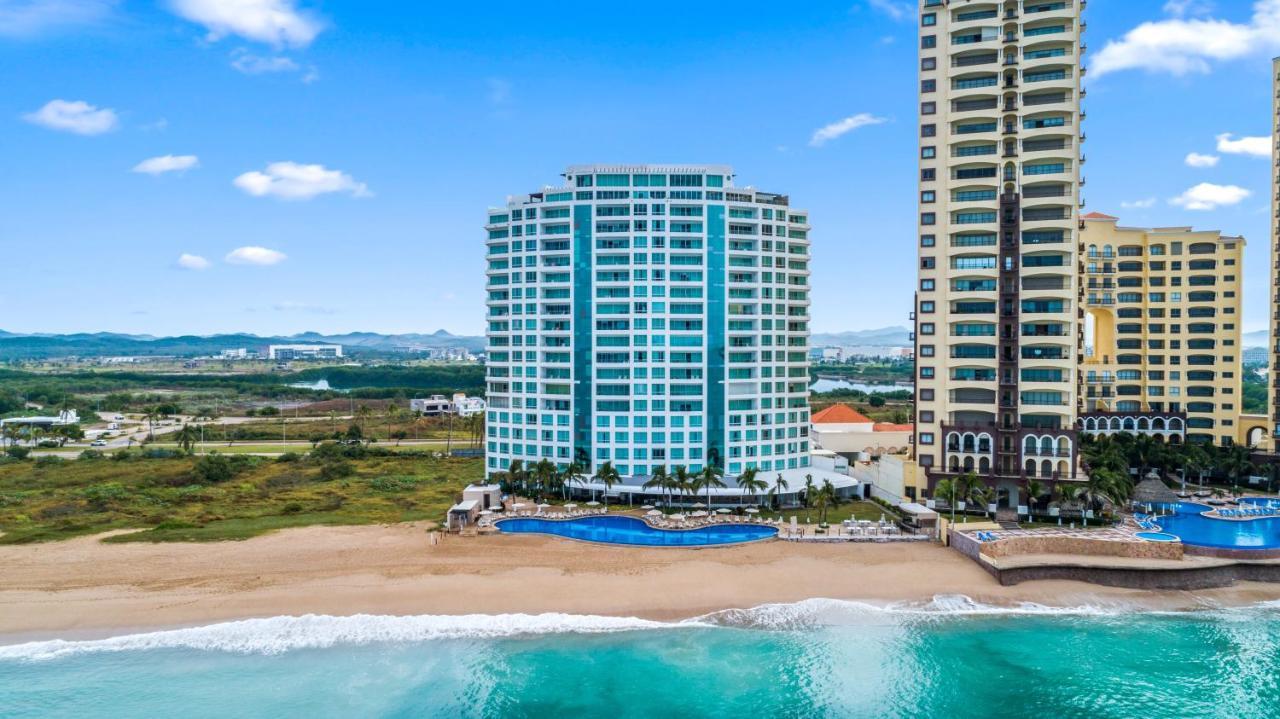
327	165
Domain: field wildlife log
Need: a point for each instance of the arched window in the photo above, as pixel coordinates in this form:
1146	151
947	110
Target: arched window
1046	468
1031	468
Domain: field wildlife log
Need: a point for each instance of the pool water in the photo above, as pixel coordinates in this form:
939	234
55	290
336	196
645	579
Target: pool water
1189	525
614	529
1157	537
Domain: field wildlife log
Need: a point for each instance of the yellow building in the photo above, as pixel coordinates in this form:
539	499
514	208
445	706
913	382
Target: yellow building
1162	352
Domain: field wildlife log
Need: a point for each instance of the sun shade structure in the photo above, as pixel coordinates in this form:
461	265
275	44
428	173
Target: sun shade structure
1153	491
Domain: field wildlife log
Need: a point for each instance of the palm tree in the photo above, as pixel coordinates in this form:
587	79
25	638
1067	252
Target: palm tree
710	477
779	488
392	415
363	413
608	476
1194	458
151	415
750	484
949	491
1035	490
187	437
544	473
828	498
1235	463
515	475
983	496
570	472
658	480
1067	494
808	495
681	482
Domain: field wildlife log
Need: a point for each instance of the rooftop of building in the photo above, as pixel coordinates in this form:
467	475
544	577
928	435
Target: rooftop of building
840	413
642	169
891	427
1170	230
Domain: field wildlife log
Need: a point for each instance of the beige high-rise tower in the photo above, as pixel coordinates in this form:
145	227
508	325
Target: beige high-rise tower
998	309
1273	306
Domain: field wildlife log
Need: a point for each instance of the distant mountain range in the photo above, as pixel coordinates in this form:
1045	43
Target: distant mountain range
1255	339
110	344
883	337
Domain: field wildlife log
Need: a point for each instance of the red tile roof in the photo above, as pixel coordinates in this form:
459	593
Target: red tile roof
840	413
890	427
1099	216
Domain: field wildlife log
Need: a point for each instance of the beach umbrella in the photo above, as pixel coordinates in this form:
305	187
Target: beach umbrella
647	506
485	513
653	513
698	513
593	503
570	506
518	505
723	510
677	517
751	510
698	505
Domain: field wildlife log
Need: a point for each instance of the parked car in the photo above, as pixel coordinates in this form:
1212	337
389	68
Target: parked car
118	417
98	443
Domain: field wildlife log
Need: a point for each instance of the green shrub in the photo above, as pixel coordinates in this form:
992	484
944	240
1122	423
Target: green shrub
336	468
289	457
17	452
393	483
90	455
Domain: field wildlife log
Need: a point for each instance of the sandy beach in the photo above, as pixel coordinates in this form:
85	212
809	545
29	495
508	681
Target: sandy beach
82	586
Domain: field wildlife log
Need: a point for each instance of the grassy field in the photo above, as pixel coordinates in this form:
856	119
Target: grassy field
172	499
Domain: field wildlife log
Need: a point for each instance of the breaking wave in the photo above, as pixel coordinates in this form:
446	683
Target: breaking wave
276	635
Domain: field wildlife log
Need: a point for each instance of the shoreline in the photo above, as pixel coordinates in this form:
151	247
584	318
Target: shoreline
84	589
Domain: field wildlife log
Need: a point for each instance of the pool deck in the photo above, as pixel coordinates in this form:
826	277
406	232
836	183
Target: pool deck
1111	556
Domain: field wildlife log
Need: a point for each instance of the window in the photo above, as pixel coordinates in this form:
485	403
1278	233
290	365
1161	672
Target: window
928	174
928	218
928	240
928	85
929	152
927	351
926	373
929	19
927	328
928	108
927	306
927	263
926	416
929	63
927	285
928	131
928	196
928	42
926	438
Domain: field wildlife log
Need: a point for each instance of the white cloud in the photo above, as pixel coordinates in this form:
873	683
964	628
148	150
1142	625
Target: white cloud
893	8
167	163
251	64
823	135
1195	159
275	22
192	262
1139	204
1256	146
260	256
1182	8
1179	45
1207	196
292	181
79	117
20	18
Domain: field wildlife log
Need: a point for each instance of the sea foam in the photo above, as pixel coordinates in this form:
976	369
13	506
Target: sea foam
276	635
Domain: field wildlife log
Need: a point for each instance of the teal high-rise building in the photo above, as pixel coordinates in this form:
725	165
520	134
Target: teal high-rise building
648	315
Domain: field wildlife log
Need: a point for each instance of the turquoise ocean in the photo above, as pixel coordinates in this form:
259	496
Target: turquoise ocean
948	658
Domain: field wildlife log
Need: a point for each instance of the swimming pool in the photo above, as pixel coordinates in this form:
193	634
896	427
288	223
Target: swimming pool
1188	523
614	529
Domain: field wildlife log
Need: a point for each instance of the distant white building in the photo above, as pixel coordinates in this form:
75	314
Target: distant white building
234	354
285	353
436	404
65	417
465	406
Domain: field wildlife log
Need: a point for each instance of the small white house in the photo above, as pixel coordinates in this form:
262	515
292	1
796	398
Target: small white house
487	495
466	406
